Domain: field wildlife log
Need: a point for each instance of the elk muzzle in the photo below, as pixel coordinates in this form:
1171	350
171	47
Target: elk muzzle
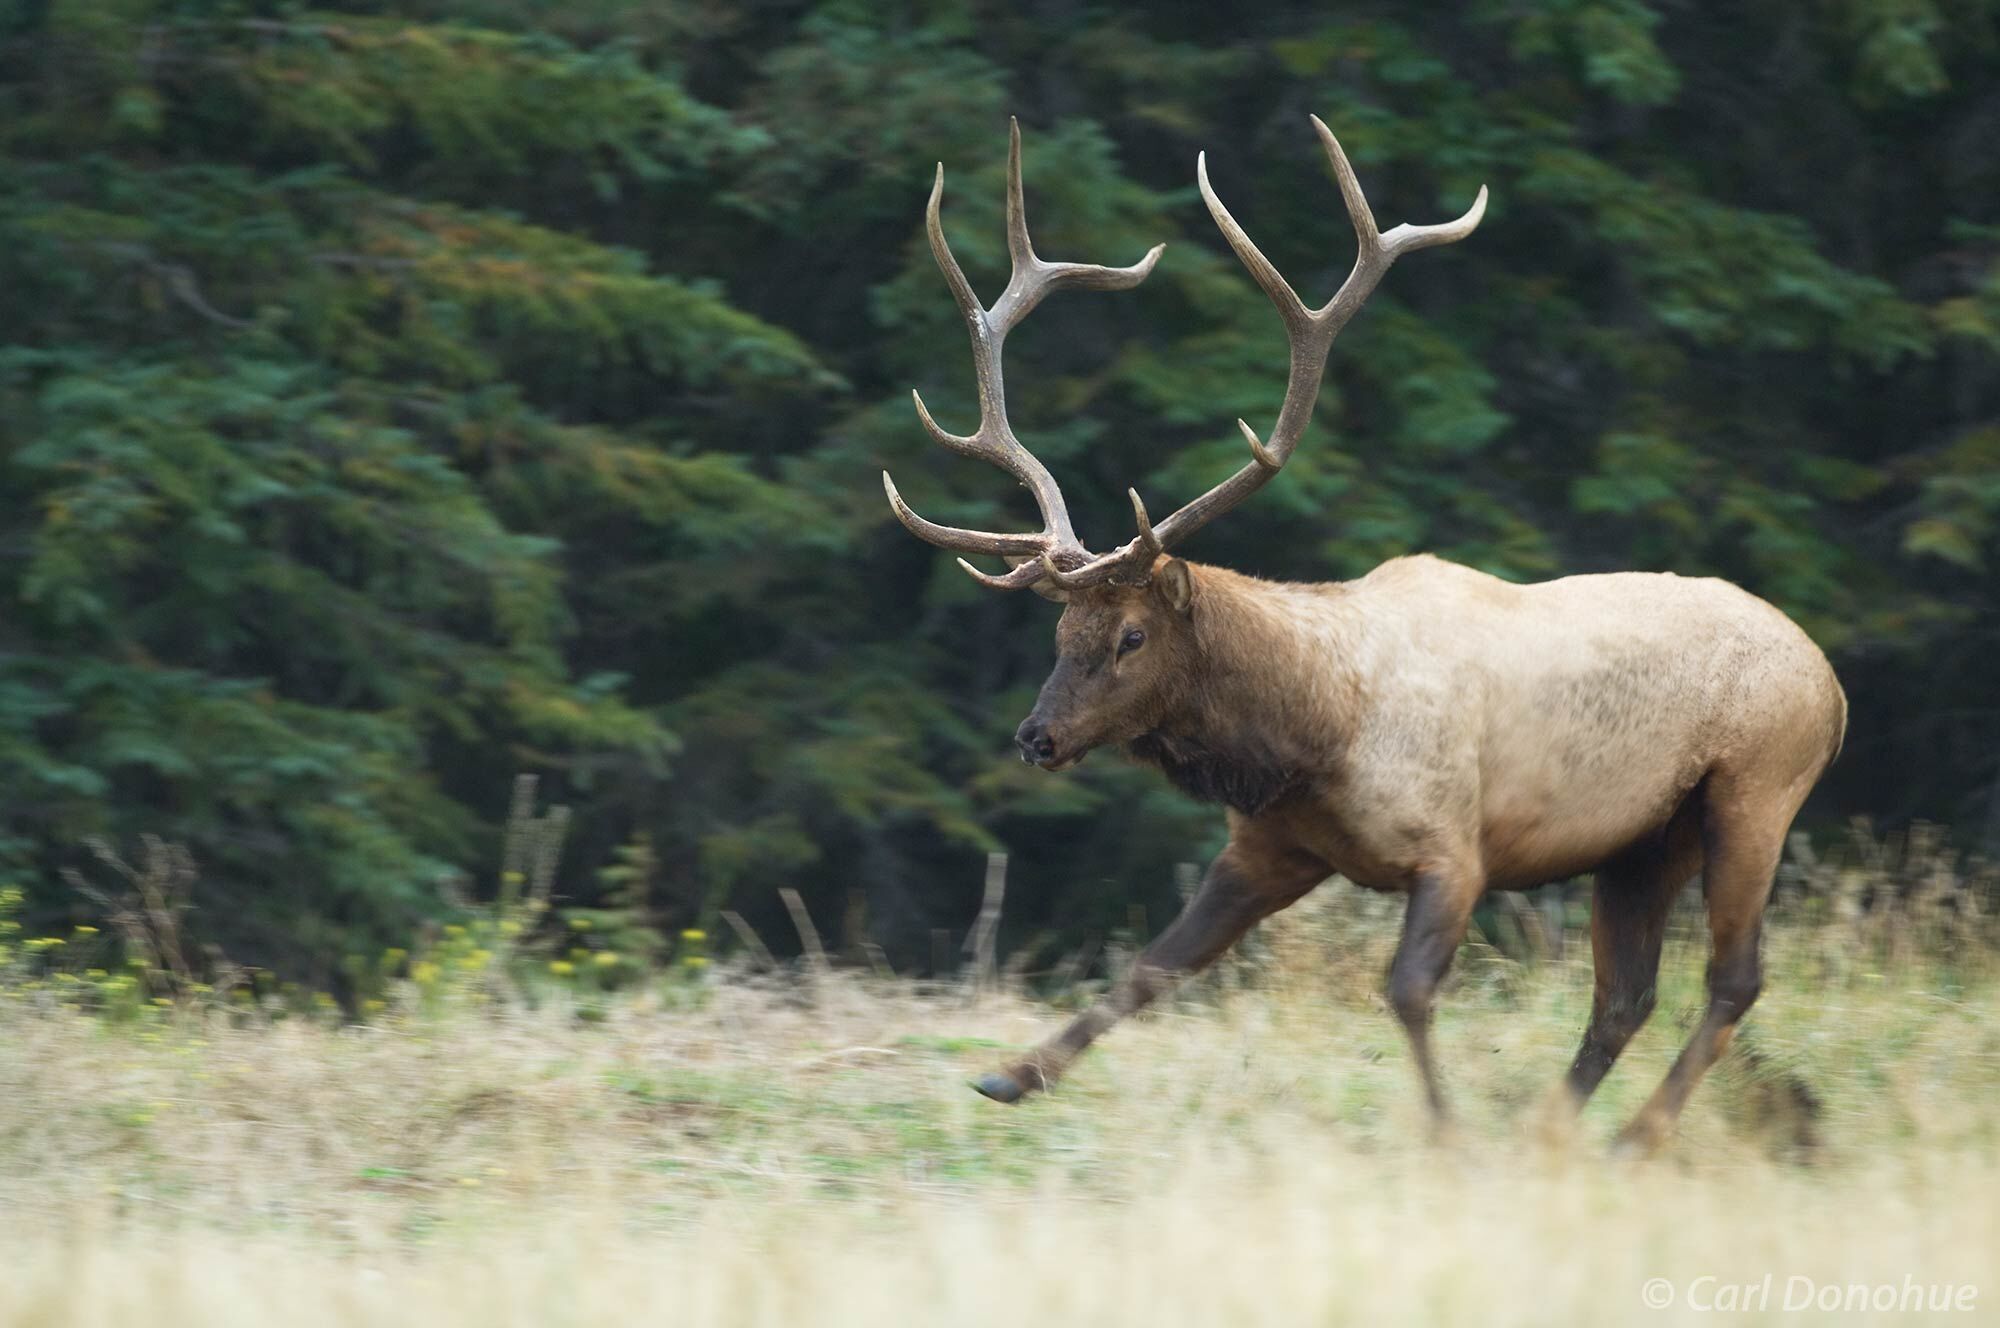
1039	746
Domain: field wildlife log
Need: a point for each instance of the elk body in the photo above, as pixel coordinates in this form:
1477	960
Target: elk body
1427	728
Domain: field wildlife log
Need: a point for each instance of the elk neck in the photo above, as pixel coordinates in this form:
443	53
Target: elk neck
1267	697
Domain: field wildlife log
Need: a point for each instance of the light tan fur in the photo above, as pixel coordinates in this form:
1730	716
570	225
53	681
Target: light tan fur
1435	730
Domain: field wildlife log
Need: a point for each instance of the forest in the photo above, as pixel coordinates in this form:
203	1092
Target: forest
397	398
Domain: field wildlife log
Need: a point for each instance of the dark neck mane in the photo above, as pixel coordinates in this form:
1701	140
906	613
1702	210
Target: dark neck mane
1247	778
1224	740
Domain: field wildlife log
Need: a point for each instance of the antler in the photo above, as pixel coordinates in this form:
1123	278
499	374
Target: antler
1310	332
1043	553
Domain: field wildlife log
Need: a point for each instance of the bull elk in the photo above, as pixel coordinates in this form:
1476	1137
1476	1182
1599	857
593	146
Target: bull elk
1427	728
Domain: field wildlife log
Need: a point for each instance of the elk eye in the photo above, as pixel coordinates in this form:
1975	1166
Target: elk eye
1133	640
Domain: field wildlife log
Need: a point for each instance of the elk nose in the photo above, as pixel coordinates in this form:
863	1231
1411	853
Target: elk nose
1034	741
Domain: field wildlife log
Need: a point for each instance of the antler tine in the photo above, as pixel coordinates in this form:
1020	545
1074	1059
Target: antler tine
1147	537
1030	282
1311	333
1376	251
1024	575
952	537
1032	278
1290	307
1020	249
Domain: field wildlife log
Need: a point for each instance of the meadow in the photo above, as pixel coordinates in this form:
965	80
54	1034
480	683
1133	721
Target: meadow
727	1146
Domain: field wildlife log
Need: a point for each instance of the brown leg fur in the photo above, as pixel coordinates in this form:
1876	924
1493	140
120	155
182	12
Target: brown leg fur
1242	887
1630	903
1744	821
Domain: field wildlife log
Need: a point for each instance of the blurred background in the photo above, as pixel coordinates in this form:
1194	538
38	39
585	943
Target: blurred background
395	398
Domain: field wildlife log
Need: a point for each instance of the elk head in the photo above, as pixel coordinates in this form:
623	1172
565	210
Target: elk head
1125	644
1123	654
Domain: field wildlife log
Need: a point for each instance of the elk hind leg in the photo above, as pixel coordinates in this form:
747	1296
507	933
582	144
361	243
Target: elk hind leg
1743	833
1630	902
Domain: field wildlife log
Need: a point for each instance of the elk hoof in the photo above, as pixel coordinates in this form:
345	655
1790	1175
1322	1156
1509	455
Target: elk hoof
1636	1143
999	1087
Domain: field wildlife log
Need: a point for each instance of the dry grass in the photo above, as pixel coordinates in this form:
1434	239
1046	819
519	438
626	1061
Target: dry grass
783	1155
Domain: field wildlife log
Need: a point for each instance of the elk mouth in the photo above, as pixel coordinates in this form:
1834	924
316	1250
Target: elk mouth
1057	761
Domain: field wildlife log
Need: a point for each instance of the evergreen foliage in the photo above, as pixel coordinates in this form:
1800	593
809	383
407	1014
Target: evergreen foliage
395	396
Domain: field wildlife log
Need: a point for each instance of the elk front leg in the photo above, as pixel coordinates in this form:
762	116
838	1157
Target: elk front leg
1440	906
1240	890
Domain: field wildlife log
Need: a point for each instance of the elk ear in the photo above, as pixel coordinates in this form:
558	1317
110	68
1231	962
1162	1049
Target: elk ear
1050	591
1174	585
